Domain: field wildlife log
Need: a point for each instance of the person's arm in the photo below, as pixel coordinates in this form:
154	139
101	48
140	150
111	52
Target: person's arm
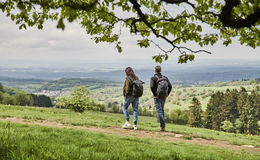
126	87
153	86
170	87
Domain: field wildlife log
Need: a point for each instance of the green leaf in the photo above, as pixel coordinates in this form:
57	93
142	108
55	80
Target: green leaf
199	28
158	58
166	57
22	26
12	17
119	48
191	57
143	43
60	24
185	58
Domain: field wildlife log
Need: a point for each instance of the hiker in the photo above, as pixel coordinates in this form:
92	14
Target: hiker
132	90
161	88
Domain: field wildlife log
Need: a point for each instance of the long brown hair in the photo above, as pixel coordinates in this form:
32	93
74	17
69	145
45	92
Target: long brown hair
130	73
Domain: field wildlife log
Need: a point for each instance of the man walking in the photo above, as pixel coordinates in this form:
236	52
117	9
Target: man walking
161	88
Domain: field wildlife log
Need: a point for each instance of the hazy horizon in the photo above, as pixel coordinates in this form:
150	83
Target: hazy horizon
200	71
119	64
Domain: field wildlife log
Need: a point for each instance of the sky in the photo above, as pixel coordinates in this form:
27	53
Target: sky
73	45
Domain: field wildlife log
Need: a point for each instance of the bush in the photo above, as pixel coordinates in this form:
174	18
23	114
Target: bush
18	98
144	111
1	96
96	106
7	99
227	126
258	124
238	126
41	101
115	109
178	116
23	99
1	88
78	100
62	102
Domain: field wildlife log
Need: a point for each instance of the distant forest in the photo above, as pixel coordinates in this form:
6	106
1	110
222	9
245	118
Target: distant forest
11	96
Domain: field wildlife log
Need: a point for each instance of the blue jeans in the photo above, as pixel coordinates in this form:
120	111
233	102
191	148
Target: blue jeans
134	101
159	105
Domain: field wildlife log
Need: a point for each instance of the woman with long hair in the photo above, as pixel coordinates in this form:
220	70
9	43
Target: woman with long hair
129	98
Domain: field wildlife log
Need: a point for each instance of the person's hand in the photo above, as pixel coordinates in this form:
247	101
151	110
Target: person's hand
155	97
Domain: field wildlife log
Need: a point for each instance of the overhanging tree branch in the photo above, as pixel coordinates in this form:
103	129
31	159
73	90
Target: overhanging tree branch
143	18
178	2
150	20
228	20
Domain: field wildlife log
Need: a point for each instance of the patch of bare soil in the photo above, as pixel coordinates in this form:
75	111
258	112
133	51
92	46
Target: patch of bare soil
165	136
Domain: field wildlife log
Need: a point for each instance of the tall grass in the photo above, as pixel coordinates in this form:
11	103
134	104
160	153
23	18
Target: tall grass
101	119
20	142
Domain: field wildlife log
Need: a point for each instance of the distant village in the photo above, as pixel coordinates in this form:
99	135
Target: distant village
53	94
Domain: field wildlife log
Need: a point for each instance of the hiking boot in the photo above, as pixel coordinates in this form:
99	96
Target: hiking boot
127	124
135	127
162	129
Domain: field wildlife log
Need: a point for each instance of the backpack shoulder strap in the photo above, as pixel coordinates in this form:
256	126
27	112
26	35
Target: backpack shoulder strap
159	78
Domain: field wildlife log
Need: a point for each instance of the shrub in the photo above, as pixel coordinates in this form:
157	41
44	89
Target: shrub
227	126
7	99
178	116
78	100
145	111
23	99
114	109
62	102
1	96
238	126
1	88
41	101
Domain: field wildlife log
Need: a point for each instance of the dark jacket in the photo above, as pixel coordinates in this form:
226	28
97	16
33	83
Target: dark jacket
153	84
128	86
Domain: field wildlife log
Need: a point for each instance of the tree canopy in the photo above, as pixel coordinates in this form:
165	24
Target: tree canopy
175	22
1	87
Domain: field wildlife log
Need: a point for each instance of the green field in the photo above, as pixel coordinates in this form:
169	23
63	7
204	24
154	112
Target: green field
101	119
20	141
180	97
36	142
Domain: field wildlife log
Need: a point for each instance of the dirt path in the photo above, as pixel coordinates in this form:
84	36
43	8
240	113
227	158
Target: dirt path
165	136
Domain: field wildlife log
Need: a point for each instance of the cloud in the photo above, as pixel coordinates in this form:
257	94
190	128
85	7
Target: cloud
74	44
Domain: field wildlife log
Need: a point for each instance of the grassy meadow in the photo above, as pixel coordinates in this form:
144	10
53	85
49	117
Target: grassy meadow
36	142
101	119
